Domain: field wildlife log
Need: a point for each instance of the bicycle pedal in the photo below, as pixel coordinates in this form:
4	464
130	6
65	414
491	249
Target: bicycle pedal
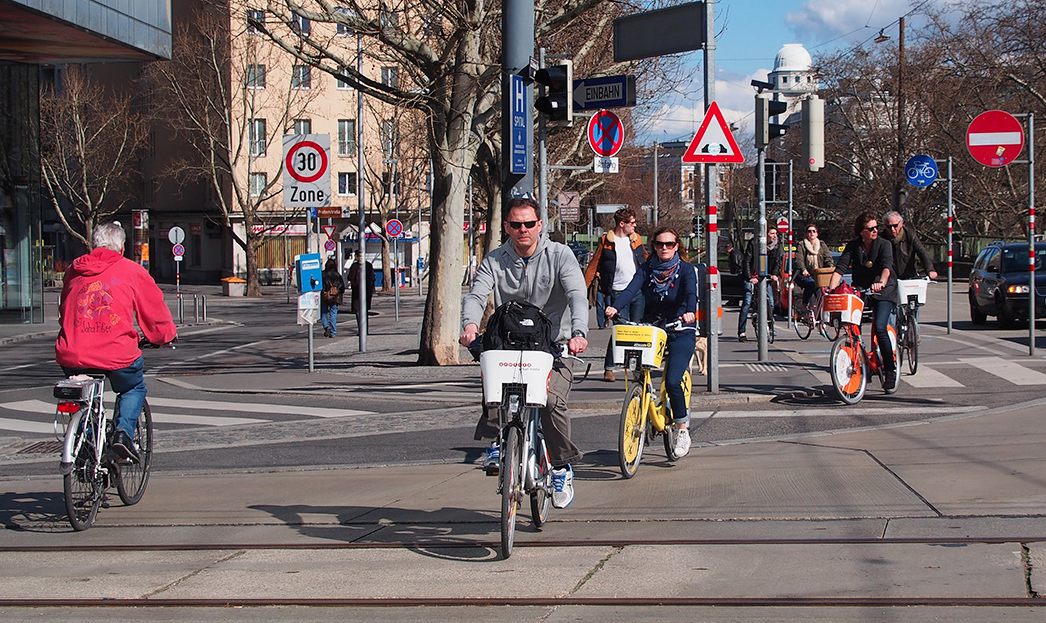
493	470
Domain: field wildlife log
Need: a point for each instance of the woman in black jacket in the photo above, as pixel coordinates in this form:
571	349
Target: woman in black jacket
330	298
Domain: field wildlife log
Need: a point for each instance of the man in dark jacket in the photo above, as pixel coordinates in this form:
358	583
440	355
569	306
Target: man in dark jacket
750	272
619	255
330	298
906	248
354	284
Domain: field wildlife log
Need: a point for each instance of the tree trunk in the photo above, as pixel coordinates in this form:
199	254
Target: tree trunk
251	251
442	321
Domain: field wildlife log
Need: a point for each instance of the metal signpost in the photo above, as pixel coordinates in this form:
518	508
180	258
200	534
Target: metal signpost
394	229
995	139
177	236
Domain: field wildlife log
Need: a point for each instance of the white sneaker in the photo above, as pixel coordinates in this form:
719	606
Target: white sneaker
562	487
682	446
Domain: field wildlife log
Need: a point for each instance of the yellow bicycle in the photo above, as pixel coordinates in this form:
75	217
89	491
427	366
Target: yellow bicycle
646	414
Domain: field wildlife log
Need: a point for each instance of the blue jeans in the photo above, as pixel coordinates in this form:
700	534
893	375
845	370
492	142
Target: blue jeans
601	309
329	317
808	285
129	385
746	305
632	313
885	312
680	349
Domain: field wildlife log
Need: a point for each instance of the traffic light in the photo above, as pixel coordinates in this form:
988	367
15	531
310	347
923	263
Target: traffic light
765	109
558	101
813	132
699	225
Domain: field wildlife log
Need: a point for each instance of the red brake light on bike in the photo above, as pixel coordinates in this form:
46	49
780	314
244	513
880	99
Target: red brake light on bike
68	407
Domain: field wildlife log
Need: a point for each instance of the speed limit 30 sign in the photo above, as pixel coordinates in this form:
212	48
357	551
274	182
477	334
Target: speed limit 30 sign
306	170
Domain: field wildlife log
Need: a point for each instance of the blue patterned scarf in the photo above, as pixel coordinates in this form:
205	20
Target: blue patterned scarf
662	274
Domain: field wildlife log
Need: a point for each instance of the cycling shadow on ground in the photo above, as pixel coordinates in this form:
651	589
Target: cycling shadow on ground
34	512
448	533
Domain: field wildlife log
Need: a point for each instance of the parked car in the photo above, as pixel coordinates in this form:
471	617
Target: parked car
999	283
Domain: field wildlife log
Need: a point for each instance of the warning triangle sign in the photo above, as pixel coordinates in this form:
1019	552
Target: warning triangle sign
713	141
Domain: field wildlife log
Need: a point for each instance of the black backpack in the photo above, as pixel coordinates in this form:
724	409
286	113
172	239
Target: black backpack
519	325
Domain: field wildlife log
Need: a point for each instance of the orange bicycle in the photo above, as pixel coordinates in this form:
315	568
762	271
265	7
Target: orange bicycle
850	362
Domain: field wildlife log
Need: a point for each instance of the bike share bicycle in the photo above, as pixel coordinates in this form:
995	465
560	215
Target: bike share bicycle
645	415
912	293
515	384
90	467
850	363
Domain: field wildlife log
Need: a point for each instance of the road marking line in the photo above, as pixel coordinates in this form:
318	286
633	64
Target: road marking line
863	409
1008	370
928	377
253	407
47	408
25	426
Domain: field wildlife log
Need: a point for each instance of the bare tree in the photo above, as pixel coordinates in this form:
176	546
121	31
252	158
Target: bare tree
222	95
92	141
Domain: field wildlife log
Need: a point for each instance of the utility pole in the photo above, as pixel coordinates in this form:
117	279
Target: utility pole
517	23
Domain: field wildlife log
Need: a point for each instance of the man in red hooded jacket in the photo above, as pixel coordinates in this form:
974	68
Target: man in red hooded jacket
102	295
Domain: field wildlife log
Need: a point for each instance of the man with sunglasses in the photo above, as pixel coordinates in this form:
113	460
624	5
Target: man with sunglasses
906	248
617	258
532	268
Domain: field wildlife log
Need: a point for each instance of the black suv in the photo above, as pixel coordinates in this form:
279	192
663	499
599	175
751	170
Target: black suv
999	283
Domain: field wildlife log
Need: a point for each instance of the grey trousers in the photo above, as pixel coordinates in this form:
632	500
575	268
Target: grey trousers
555	422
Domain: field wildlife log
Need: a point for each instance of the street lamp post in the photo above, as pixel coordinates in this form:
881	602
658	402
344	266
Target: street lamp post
900	194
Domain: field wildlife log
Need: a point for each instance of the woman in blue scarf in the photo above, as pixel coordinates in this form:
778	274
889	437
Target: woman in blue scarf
670	287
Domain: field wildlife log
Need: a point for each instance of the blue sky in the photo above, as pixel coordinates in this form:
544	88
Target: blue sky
750	34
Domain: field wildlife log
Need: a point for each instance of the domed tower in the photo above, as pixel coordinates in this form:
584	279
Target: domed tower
793	75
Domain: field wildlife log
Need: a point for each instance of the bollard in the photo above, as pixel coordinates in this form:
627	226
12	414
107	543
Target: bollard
196	308
181	316
203	305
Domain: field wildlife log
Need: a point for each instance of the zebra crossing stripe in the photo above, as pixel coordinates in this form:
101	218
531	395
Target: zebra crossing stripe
928	377
1007	370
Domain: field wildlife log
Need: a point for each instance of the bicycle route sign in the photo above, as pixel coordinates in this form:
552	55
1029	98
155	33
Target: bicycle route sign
306	171
921	171
995	138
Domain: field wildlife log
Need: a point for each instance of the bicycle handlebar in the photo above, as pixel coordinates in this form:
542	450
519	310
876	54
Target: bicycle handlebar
143	342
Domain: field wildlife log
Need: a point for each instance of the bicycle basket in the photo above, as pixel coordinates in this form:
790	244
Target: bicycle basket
823	277
848	306
912	287
649	340
528	368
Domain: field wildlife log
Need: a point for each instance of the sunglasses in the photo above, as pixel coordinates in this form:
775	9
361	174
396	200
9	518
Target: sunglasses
872	228
893	225
811	231
665	245
518	224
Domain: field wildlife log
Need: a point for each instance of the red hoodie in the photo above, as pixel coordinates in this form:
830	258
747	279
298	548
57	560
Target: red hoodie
103	292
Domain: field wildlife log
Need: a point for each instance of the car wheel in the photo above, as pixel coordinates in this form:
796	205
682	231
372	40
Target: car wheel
1003	314
976	315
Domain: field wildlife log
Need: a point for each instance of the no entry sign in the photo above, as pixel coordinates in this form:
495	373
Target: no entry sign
995	138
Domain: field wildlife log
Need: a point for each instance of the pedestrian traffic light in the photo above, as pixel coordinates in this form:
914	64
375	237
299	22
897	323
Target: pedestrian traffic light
558	101
765	109
699	225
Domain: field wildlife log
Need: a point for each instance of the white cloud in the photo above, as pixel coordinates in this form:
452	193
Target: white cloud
823	20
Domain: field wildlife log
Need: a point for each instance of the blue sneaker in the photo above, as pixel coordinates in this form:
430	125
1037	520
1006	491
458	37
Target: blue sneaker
492	460
562	487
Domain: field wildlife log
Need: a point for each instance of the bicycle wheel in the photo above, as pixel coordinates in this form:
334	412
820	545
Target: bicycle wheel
511	487
669	434
912	344
83	485
803	324
829	330
631	433
540	497
770	333
131	478
848	368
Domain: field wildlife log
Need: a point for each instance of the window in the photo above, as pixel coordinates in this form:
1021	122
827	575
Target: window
303	126
255	19
301	25
344	84
301	78
255	76
390	77
346	137
343	30
389	138
258	183
347	184
256	137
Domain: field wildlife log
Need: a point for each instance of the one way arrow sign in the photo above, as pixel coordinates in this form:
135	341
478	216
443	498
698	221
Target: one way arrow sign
605	92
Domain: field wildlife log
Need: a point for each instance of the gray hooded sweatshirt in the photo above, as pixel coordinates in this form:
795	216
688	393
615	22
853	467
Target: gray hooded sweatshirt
551	279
